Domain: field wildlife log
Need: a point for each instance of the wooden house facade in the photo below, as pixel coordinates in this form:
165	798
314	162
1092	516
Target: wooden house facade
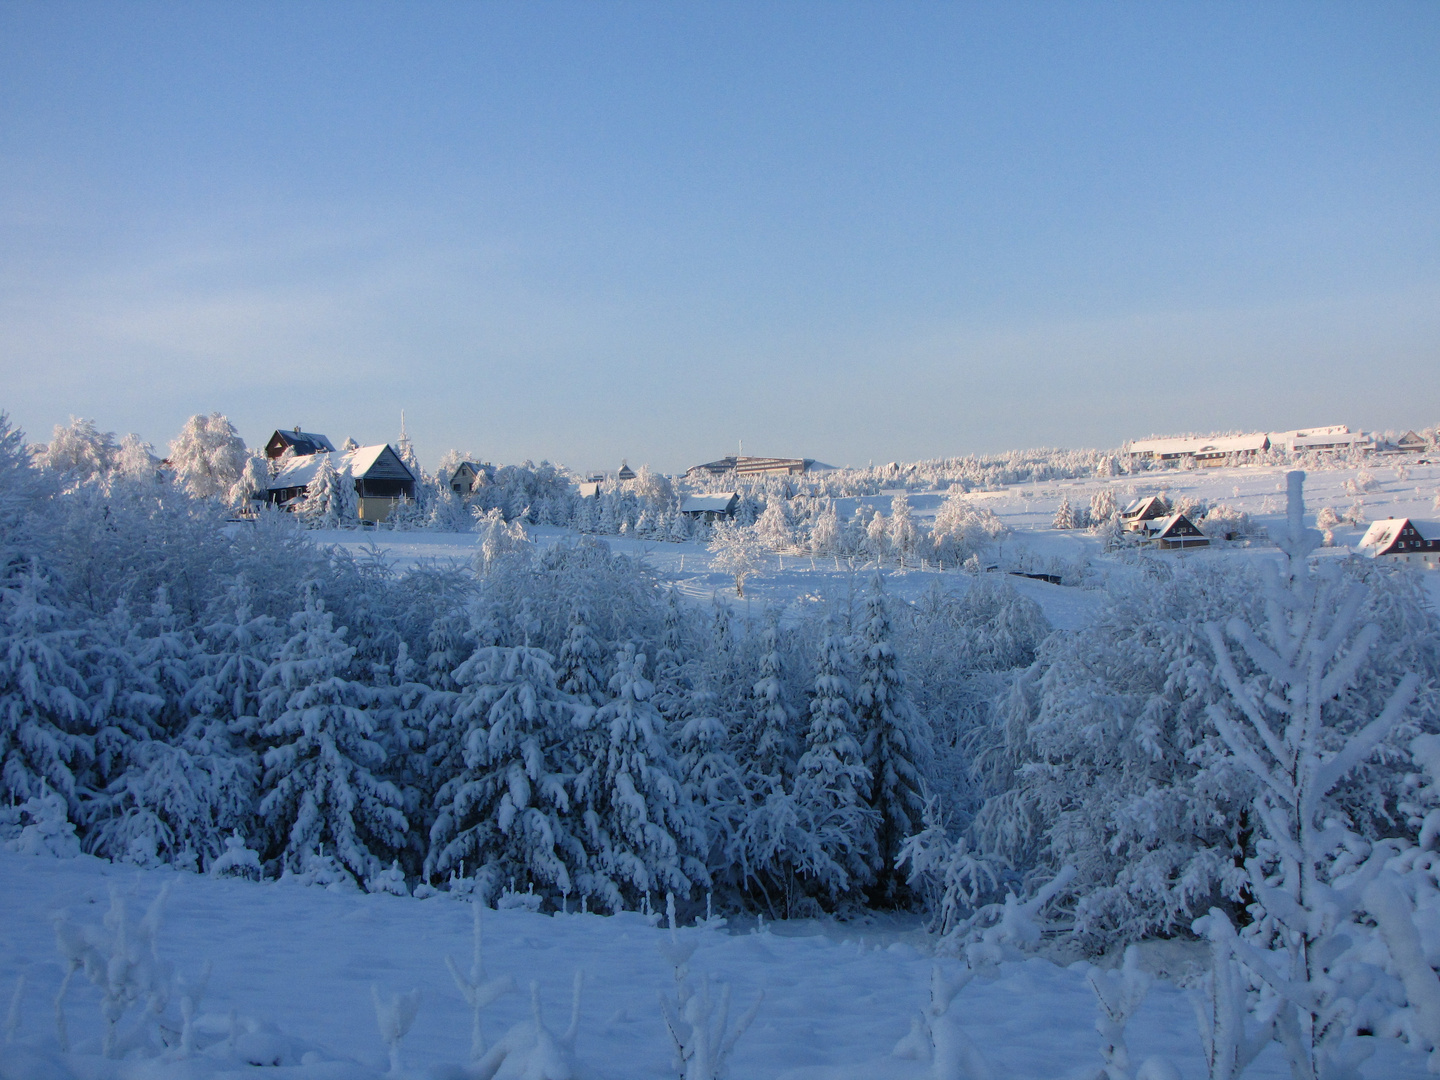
1398	540
1176	532
380	476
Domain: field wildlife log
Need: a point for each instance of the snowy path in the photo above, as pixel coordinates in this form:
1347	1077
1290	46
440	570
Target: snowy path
306	959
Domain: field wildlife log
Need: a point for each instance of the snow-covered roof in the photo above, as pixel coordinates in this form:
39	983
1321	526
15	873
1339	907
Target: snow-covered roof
1206	444
355	465
1151	506
1381	534
707	504
1338	438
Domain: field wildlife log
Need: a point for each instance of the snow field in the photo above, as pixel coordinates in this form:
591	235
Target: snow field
837	997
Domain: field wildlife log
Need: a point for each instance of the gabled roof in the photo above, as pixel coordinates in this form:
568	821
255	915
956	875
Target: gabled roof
366	461
1396	536
304	442
1177	524
1152	506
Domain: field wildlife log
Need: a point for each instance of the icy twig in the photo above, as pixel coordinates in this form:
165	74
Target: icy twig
393	1016
478	991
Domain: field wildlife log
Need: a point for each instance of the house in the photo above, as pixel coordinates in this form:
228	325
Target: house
625	473
303	443
469	475
1139	513
1177	531
381	479
753	466
1410	443
590	489
1398	540
1210	451
710	507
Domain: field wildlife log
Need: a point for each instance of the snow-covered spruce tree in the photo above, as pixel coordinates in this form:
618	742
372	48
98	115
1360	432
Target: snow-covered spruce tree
208	456
832	780
712	776
330	501
236	649
580	664
894	738
1064	516
1289	720
46	735
641	828
508	813
773	746
825	536
320	783
772	528
252	483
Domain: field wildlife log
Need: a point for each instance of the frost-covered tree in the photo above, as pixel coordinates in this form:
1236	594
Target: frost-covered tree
641	829
1102	506
135	459
773	747
79	451
832	779
320	779
580	664
825	535
1064	516
773	527
735	550
252	483
894	737
1289	721
962	529
508	813
330	501
208	456
904	533
45	724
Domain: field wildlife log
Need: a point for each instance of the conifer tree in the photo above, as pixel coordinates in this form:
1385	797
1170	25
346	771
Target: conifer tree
1064	516
641	828
320	783
831	777
330	501
507	813
894	738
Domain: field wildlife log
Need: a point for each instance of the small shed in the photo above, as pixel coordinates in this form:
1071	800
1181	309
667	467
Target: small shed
710	507
1178	531
1399	540
590	489
304	443
381	479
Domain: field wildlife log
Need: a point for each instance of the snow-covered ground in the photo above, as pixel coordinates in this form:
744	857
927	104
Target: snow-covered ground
1028	509
837	997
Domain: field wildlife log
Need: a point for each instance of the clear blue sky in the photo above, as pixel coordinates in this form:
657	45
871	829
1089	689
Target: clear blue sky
846	231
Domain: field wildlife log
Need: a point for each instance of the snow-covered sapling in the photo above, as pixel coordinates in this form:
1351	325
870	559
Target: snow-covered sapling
236	860
121	960
698	1025
1222	1011
531	1051
936	1036
1118	994
477	990
191	994
393	1016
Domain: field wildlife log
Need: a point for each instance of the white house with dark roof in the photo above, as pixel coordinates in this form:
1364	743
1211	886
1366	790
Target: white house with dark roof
1399	540
380	476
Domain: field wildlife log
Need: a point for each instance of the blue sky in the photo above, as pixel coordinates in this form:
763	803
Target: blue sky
848	231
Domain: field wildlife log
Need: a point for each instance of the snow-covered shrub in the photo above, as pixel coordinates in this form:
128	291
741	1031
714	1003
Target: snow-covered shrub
236	860
45	828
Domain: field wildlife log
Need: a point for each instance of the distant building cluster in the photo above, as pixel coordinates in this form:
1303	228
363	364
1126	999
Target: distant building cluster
1214	451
